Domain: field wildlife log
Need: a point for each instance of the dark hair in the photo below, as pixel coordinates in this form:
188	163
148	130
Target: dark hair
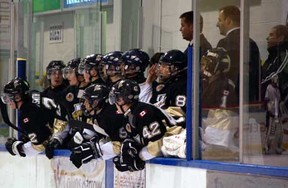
231	12
155	58
189	18
281	30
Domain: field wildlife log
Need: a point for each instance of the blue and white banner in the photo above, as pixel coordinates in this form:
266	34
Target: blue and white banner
79	3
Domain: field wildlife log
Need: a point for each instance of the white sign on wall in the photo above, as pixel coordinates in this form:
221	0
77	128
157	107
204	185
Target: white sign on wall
56	33
129	179
90	174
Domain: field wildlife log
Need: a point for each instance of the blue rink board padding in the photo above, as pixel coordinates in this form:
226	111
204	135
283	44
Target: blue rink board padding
202	164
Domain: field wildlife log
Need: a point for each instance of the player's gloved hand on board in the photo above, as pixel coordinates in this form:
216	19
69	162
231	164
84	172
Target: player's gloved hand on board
129	160
15	147
121	166
86	152
51	146
76	140
74	130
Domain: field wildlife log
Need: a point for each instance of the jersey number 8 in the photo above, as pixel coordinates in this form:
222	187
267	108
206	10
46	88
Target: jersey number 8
180	100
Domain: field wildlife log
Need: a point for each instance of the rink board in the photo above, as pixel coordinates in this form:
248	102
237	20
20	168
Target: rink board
34	172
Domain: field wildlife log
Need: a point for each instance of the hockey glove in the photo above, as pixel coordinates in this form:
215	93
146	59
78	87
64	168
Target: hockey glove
51	146
135	165
15	147
76	140
129	158
85	153
122	167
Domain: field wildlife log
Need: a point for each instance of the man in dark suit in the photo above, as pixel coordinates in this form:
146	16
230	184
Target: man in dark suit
229	26
187	32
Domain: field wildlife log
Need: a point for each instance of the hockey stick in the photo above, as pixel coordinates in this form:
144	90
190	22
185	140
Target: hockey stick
80	124
6	119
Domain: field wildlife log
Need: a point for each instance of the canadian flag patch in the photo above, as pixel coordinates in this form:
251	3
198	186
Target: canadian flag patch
142	113
26	120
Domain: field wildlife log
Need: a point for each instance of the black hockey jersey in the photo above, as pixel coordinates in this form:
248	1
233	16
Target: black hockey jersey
171	93
72	95
219	93
46	101
35	122
146	123
97	81
112	122
54	93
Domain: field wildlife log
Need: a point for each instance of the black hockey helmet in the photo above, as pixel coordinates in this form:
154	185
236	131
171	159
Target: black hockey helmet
81	67
176	60
16	86
72	65
96	95
92	61
111	62
129	90
135	59
57	65
216	60
112	58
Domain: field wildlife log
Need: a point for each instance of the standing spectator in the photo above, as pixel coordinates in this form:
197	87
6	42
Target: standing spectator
187	32
229	26
274	132
276	63
275	86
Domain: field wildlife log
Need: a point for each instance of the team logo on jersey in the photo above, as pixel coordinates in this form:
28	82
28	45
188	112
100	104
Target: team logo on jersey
128	128
26	120
70	97
142	113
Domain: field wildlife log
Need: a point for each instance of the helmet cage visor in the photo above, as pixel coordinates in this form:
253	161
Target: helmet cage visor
88	68
113	95
68	71
7	98
81	68
131	69
207	66
165	66
54	72
112	70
